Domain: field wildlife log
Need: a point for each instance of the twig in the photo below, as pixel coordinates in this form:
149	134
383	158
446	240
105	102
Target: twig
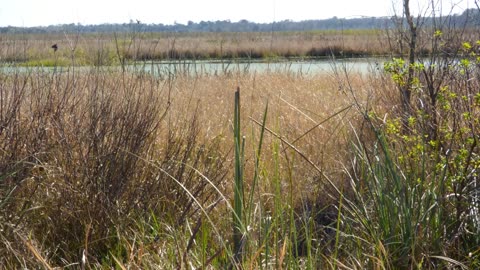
300	153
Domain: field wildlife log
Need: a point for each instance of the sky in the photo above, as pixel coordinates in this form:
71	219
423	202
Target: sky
27	13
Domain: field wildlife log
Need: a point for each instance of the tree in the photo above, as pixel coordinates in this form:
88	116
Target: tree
406	89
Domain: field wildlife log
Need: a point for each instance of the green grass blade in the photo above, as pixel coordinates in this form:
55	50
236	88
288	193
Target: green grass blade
257	164
238	181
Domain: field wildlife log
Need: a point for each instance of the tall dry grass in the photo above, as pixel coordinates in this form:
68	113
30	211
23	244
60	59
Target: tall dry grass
86	154
104	168
112	49
108	49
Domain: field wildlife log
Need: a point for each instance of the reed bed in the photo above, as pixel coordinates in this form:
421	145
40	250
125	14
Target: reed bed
108	49
86	152
113	49
103	168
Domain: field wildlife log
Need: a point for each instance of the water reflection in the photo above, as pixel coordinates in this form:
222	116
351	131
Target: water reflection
310	67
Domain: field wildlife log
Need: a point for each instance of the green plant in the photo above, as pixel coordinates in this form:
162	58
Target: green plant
238	190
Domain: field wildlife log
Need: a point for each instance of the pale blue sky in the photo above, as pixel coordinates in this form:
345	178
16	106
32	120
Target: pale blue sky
47	12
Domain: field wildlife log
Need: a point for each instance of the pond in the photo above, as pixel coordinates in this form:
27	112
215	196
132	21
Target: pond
162	68
357	65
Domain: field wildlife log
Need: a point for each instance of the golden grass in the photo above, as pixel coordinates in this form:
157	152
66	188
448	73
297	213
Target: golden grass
296	104
110	49
114	165
73	148
107	49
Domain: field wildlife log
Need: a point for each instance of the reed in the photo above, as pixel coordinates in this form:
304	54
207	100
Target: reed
110	49
105	168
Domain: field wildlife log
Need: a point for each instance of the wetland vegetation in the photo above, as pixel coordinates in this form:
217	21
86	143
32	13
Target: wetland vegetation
114	49
105	168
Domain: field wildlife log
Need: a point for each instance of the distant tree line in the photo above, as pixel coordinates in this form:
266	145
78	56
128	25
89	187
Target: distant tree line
470	17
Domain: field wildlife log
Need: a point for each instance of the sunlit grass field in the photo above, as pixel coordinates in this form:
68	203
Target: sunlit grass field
106	168
105	49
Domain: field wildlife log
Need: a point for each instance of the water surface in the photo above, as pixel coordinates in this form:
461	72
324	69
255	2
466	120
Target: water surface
307	67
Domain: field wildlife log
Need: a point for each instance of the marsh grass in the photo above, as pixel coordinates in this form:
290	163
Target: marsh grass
119	168
113	49
86	156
